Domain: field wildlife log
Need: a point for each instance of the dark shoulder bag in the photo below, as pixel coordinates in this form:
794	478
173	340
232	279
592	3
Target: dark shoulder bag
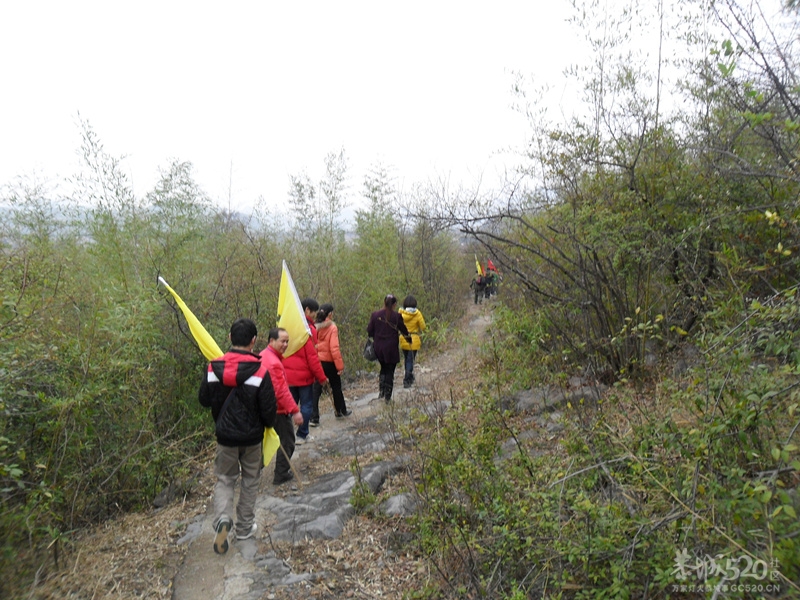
369	351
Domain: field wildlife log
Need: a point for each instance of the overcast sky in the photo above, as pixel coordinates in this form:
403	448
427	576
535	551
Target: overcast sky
253	92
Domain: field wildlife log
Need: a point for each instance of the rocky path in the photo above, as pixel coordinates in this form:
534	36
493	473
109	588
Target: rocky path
339	530
311	540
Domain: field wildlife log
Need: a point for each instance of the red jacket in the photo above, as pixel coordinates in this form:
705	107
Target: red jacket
273	360
252	407
303	367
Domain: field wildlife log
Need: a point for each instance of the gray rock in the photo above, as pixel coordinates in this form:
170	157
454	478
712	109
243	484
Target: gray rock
323	508
576	381
510	446
527	401
588	392
248	548
193	530
403	505
174	490
359	443
537	400
274	565
689	356
433	408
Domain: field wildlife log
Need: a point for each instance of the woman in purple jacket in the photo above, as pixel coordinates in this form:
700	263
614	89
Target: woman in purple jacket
385	328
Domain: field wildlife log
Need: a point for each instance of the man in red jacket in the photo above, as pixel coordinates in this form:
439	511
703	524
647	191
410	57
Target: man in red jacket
302	369
288	412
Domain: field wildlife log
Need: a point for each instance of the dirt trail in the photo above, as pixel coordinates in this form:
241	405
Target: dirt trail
167	553
204	574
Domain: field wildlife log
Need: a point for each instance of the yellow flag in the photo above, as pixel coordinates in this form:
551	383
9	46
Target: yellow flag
207	344
211	351
291	316
478	266
271	444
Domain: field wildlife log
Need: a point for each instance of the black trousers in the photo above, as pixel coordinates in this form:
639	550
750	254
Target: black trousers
386	380
284	427
335	381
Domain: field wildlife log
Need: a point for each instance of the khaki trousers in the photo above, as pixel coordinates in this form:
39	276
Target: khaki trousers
230	462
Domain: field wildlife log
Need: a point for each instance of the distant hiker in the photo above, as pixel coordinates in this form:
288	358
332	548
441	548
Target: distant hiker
330	356
489	277
302	369
384	326
415	323
479	286
242	401
289	414
492	277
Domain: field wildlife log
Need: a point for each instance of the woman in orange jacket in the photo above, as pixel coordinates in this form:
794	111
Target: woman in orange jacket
330	356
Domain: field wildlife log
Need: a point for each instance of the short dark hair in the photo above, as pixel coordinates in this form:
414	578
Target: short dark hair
274	333
242	332
410	302
310	303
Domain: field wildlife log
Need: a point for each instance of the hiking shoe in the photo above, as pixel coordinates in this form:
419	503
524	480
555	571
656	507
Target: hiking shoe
249	534
344	413
300	441
282	479
314	423
221	539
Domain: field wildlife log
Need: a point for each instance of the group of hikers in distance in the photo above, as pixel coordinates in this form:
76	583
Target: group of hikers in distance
248	392
485	282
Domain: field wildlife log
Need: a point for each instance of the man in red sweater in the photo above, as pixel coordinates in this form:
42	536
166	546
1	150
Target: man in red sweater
289	414
302	369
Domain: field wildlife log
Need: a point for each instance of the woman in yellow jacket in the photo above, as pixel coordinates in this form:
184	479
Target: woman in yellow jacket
415	323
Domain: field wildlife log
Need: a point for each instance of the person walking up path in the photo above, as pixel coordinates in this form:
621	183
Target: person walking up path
289	414
302	369
384	326
239	392
415	323
478	284
330	355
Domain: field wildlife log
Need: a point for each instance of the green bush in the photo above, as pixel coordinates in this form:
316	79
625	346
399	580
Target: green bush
98	370
705	465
